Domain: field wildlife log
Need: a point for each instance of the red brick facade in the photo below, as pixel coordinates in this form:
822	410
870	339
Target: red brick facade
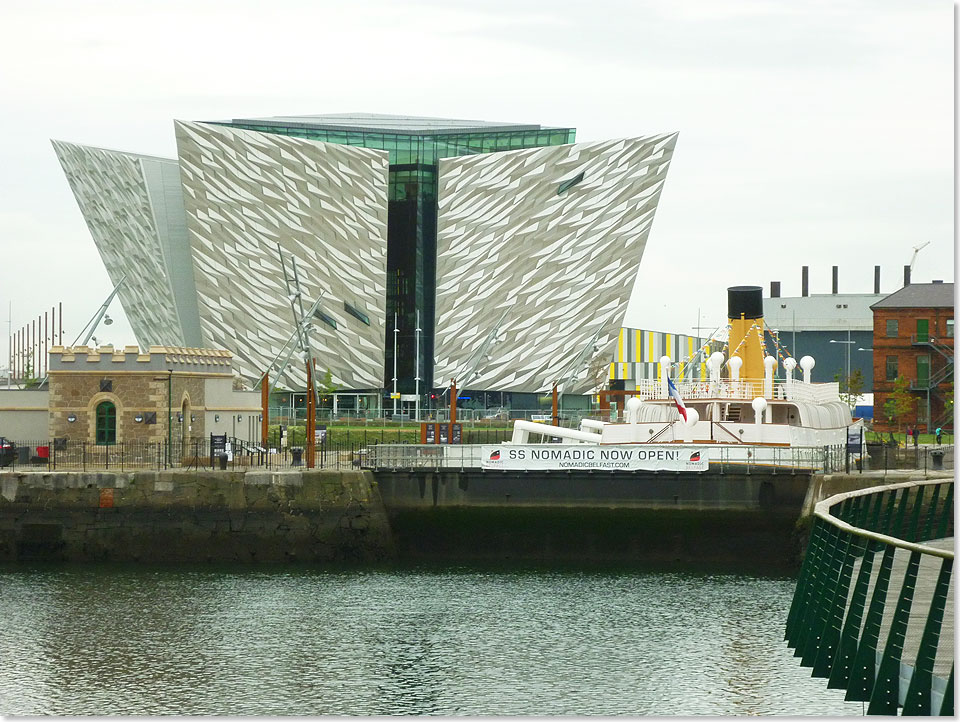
921	357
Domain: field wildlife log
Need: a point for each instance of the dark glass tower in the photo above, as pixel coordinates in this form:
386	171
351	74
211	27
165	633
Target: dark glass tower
415	146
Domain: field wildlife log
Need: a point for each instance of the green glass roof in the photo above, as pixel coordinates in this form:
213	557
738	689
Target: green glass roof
402	124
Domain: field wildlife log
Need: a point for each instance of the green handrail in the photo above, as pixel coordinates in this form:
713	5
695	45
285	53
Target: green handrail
831	625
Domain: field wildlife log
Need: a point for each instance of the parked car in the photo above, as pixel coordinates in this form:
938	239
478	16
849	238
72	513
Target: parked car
8	451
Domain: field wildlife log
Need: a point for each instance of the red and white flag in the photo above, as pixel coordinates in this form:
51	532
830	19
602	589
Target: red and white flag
676	399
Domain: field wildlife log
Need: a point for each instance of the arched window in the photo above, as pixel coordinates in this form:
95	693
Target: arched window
106	423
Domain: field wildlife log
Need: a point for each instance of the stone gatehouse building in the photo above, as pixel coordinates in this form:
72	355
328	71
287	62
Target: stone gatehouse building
107	396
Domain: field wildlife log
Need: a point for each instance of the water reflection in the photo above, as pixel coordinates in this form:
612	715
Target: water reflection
238	641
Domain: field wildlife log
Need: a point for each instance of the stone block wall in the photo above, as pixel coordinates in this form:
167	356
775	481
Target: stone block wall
311	516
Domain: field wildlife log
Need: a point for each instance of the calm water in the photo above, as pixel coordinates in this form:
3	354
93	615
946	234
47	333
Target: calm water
457	640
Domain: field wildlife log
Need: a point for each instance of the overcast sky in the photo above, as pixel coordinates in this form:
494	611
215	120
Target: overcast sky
811	133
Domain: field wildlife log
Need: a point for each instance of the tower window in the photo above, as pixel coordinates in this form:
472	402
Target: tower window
568	184
330	320
356	313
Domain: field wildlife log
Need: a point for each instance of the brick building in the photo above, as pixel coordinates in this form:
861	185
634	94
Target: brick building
913	338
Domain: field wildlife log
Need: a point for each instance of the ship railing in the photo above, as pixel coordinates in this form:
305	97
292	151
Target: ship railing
742	389
868	613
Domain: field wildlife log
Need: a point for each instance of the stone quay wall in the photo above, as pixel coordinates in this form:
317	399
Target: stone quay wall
309	516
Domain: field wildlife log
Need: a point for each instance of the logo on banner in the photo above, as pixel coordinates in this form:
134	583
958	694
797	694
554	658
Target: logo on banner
495	455
695	456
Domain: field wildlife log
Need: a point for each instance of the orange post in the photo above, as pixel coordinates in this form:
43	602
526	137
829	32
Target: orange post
556	412
311	418
265	408
453	409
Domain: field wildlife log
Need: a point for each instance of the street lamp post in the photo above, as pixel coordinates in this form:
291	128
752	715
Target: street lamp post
396	331
847	343
417	357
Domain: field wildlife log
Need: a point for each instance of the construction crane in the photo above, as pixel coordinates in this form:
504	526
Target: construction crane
916	250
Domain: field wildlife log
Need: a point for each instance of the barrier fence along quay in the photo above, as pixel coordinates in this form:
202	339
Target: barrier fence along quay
873	608
364	450
733	459
194	454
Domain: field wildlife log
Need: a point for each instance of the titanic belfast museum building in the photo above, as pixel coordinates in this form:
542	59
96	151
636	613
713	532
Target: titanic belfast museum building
502	255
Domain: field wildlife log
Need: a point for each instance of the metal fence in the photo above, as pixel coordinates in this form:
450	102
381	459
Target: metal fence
239	455
865	544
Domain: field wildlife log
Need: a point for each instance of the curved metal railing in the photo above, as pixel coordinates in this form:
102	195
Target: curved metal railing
832	628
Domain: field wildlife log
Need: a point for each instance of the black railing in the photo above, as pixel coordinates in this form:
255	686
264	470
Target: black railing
239	455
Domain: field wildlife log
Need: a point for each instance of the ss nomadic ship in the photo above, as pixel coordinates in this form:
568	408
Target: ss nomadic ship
741	412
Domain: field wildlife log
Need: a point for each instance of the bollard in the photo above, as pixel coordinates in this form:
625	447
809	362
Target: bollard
223	462
937	456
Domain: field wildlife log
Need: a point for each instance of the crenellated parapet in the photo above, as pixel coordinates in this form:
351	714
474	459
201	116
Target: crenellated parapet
132	359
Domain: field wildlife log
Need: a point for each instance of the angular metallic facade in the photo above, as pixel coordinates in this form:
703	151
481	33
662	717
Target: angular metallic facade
135	215
517	264
536	262
246	193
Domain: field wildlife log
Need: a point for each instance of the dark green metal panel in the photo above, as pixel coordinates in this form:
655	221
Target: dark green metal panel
811	622
875	518
891	500
915	515
863	510
863	673
931	512
947	513
896	529
801	596
830	636
946	709
886	689
847	647
917	701
815	620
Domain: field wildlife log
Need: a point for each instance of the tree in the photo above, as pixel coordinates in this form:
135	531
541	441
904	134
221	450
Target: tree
326	387
899	403
850	388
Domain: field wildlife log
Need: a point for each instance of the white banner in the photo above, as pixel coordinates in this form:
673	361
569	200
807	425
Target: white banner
570	457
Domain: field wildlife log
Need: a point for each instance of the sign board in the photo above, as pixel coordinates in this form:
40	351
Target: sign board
456	433
428	433
320	434
442	430
409	397
394	396
218	446
608	457
854	437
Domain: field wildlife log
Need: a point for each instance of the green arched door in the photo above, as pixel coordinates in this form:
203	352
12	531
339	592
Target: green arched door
106	423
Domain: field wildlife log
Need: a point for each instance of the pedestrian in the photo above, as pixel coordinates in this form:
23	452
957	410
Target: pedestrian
916	438
939	436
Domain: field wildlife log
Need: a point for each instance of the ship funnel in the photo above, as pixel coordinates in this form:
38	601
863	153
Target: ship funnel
745	312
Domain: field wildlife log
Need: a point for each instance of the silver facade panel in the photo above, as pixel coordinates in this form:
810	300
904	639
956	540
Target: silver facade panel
120	208
169	215
554	269
326	205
